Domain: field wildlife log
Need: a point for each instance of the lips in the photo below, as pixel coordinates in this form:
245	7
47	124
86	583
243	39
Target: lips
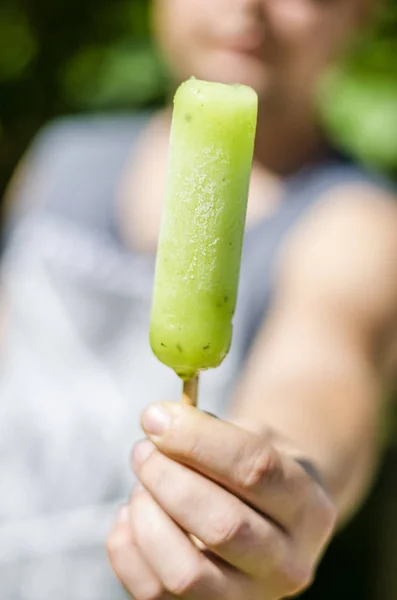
243	44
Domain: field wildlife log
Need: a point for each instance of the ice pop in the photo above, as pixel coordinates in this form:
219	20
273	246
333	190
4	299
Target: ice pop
200	244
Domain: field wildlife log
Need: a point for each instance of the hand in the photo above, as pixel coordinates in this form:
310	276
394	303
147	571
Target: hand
221	514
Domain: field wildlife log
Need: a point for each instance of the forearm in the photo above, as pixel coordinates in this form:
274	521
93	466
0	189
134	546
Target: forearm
332	417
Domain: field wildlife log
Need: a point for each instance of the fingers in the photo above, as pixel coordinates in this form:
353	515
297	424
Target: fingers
222	514
128	564
239	460
228	527
182	569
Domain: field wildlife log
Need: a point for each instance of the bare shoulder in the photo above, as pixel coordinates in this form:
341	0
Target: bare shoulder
354	225
343	256
351	211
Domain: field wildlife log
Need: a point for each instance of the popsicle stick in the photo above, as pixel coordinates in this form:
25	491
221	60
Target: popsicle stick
190	391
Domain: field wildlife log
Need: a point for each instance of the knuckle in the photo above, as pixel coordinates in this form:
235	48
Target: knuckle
185	581
155	471
298	514
152	591
274	553
117	540
323	514
188	445
330	513
228	527
306	580
193	448
292	577
262	466
298	580
146	472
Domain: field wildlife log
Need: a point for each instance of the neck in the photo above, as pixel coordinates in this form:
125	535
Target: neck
287	142
284	142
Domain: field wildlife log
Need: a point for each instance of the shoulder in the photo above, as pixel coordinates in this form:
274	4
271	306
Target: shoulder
66	131
71	167
337	172
363	204
73	148
348	201
342	257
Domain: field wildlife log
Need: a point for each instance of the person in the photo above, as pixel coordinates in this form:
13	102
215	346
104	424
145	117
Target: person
239	506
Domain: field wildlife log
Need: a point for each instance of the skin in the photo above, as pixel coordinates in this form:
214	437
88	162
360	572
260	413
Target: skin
227	509
245	508
278	48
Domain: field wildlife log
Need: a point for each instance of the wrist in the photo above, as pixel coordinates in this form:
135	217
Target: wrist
286	446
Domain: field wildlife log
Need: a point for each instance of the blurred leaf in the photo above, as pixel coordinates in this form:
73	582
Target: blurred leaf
121	75
361	114
126	17
17	43
81	55
359	100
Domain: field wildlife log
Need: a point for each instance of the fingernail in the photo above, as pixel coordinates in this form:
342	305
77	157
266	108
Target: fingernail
142	451
156	419
123	514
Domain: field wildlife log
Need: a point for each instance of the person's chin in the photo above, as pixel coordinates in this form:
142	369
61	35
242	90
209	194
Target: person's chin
230	67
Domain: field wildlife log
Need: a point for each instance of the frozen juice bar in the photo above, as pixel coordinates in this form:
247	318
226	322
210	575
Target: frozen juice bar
199	253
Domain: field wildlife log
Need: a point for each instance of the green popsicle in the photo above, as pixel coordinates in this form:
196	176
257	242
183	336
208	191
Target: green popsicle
201	236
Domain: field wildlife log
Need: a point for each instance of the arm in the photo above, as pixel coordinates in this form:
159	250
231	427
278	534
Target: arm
320	365
226	509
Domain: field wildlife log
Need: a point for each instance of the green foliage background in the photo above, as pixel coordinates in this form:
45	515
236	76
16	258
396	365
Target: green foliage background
88	55
72	56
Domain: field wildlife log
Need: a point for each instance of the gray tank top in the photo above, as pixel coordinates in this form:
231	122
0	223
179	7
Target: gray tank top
77	369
